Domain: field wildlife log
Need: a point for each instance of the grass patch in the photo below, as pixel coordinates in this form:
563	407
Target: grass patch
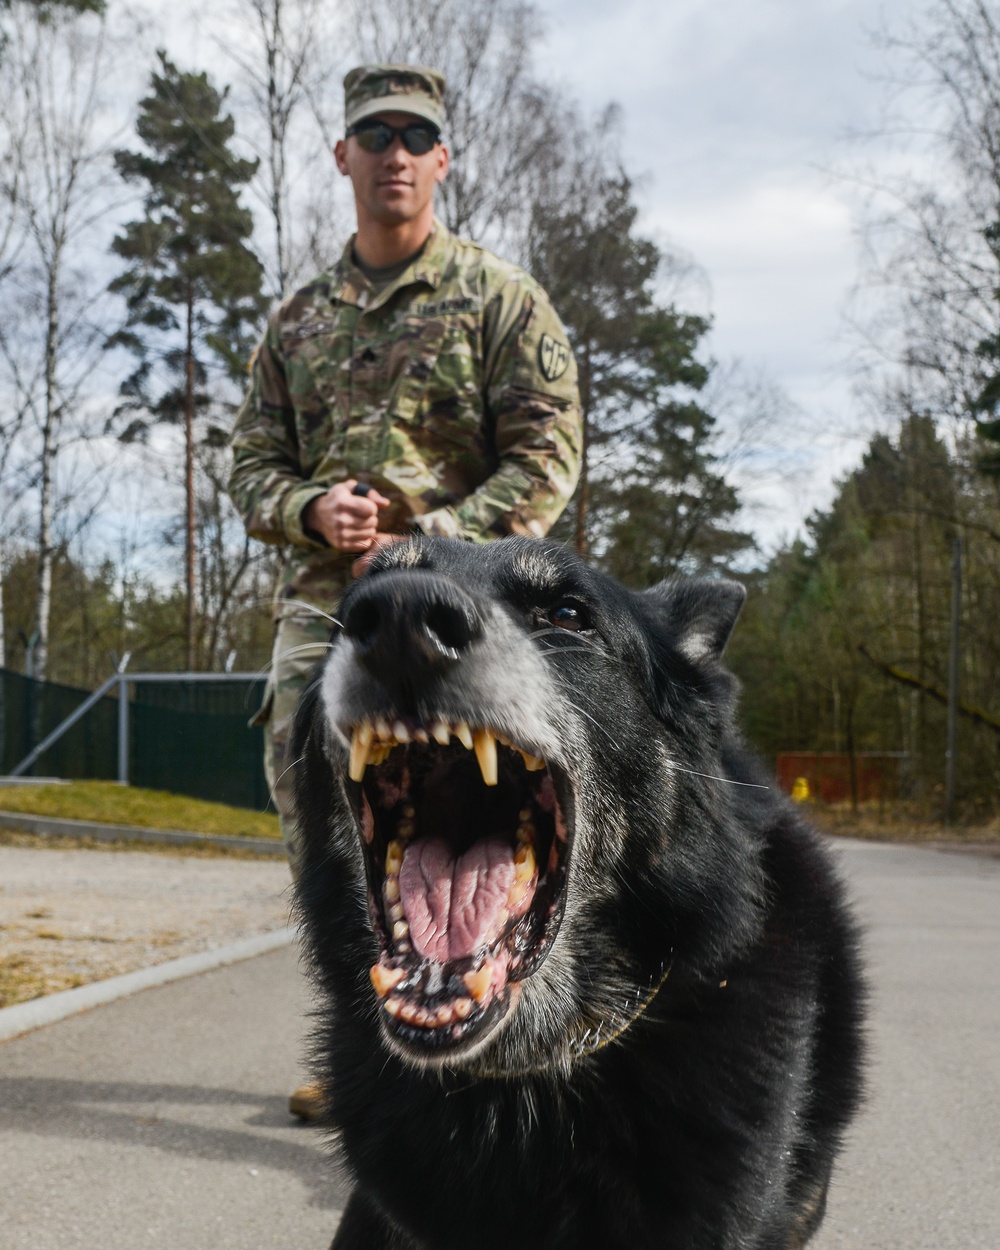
22	979
898	823
109	804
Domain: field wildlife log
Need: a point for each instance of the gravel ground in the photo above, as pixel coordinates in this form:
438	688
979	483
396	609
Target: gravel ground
69	917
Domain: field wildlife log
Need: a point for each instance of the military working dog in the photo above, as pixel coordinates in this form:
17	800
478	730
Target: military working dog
587	979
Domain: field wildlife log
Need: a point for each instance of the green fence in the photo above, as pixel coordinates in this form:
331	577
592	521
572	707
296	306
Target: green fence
185	737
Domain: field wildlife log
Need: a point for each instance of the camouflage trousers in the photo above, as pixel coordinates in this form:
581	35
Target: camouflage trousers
300	641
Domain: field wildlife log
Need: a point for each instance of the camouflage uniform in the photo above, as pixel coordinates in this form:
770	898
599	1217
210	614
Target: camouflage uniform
451	390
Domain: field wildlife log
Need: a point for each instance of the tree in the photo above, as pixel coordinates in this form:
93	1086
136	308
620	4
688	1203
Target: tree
929	309
55	64
650	499
284	58
192	285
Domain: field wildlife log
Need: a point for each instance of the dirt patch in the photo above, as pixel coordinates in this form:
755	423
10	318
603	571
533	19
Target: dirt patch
69	916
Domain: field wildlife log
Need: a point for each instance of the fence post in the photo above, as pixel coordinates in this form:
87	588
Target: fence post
123	720
954	674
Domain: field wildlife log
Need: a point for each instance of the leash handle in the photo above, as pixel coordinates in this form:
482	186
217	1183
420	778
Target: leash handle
362	488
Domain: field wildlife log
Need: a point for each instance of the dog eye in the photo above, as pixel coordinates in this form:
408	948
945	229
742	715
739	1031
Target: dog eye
569	616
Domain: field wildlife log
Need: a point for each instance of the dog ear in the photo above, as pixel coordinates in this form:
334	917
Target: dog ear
699	614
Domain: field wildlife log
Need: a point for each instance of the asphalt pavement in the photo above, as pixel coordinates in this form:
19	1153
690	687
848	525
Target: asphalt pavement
160	1120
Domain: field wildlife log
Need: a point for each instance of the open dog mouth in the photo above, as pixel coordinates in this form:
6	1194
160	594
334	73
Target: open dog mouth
466	845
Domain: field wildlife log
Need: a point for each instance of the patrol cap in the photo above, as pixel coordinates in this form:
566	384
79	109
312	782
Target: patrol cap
370	89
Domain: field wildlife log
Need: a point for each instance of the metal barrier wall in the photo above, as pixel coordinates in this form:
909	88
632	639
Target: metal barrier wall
188	733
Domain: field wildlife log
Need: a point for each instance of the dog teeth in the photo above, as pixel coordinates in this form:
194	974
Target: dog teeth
391	889
393	1006
463	1008
372	741
400	931
478	983
360	742
485	745
524	862
385	979
393	857
526	832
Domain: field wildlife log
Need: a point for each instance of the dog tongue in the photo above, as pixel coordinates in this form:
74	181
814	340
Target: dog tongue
455	907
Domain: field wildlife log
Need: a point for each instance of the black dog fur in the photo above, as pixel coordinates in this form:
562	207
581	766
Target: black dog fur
677	1066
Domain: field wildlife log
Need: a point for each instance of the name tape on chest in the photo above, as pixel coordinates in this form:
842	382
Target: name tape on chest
553	357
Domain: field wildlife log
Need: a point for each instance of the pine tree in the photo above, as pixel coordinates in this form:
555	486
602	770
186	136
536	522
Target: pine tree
192	285
651	499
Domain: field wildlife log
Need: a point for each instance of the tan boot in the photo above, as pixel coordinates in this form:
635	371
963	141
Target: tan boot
308	1102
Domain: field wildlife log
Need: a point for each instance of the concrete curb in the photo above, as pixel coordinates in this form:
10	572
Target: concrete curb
60	827
23	1017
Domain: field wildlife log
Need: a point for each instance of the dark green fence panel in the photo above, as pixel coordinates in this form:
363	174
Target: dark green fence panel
186	737
193	738
31	709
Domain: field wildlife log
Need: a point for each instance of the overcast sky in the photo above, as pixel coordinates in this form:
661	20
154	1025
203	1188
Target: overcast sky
737	114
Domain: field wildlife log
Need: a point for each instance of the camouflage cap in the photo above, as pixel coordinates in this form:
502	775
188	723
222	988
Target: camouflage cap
371	89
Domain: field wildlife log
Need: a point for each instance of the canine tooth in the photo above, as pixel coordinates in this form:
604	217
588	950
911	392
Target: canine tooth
400	930
361	740
532	763
462	1008
382	730
393	1006
478	983
393	856
401	733
391	889
385	979
524	855
486	754
440	733
463	733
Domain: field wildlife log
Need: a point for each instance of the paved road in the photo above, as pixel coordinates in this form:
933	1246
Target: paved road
159	1121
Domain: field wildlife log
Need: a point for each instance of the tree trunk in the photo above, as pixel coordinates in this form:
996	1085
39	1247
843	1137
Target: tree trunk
852	755
43	602
583	488
276	154
189	544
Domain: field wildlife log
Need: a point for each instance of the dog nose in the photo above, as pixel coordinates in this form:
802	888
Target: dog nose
410	625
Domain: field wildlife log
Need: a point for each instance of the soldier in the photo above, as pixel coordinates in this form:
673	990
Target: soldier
421	386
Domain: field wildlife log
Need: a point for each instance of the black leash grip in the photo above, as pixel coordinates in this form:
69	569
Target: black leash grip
362	488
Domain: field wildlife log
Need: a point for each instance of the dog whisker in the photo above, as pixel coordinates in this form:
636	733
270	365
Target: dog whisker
729	781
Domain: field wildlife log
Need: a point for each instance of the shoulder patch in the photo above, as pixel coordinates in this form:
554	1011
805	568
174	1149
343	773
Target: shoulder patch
553	357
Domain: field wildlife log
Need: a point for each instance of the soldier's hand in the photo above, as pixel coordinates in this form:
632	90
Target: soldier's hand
347	521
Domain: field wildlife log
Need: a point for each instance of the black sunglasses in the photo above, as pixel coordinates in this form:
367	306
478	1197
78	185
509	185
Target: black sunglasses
375	136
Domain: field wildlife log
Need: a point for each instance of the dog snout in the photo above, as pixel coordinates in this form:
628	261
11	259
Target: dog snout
410	625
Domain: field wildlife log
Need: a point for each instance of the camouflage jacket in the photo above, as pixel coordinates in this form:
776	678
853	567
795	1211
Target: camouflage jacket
452	390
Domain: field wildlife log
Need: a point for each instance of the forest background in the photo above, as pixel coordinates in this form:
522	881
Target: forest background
151	213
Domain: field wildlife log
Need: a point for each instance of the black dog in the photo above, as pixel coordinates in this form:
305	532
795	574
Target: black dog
587	982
